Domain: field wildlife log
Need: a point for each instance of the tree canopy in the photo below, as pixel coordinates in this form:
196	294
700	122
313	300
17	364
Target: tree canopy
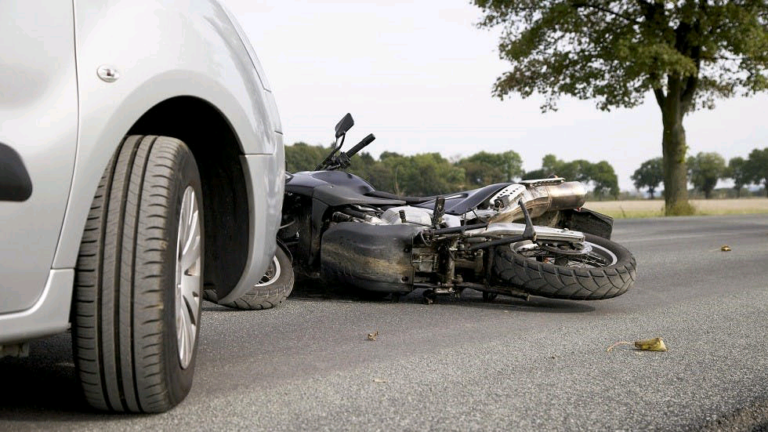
757	167
485	168
649	175
601	174
737	170
686	53
706	170
432	174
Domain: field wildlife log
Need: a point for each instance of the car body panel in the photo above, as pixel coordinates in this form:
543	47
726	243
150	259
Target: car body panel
38	120
160	53
159	50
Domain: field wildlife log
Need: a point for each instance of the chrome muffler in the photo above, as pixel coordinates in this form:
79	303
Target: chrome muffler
539	197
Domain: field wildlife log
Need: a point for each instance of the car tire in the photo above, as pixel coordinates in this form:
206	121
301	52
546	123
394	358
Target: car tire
273	289
138	285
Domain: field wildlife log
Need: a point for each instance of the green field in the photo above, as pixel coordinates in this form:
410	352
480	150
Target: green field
655	208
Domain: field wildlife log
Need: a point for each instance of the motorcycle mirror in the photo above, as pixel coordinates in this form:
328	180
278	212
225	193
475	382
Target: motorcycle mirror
344	125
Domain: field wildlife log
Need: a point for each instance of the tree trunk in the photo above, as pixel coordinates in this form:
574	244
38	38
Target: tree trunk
651	191
674	148
675	172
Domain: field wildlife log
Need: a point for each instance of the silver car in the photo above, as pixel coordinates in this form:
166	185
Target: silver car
141	161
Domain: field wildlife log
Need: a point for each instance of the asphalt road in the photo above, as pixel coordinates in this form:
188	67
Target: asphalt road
468	365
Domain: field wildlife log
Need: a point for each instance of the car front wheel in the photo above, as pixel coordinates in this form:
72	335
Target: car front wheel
138	287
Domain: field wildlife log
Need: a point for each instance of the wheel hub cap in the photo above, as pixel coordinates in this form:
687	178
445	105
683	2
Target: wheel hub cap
188	290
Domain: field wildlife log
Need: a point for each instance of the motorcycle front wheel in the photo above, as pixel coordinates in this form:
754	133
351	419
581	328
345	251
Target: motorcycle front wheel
600	270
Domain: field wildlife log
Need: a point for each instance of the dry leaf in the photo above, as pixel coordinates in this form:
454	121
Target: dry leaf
655	344
725	248
373	336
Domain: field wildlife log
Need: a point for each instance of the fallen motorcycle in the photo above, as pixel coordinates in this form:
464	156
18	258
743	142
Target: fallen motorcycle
527	238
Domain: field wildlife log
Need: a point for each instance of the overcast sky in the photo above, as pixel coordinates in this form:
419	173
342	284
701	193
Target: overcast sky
418	74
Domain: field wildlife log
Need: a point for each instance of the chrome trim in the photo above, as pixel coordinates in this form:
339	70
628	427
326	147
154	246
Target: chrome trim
516	229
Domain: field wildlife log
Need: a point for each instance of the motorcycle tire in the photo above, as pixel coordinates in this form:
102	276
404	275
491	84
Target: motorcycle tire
550	280
273	289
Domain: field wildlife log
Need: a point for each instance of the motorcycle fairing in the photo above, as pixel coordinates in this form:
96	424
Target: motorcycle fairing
338	188
335	188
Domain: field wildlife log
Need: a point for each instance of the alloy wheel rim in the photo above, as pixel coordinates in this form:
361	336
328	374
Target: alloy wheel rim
272	274
188	290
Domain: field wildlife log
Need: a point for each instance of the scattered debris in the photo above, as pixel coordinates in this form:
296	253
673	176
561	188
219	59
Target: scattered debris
379	380
725	248
373	336
655	344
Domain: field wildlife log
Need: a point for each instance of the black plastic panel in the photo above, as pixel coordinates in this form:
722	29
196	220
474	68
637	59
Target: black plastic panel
15	184
370	257
587	221
335	188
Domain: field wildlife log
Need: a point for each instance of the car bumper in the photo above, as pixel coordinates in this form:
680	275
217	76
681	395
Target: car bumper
48	316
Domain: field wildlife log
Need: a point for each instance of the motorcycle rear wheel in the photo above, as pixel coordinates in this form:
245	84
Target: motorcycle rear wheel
607	271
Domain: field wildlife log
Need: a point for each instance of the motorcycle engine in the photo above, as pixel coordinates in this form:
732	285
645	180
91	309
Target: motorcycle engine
408	215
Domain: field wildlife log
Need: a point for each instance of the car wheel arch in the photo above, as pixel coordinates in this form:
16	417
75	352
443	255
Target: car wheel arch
217	151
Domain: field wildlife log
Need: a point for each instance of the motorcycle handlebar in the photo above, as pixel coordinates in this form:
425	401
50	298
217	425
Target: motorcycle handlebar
367	140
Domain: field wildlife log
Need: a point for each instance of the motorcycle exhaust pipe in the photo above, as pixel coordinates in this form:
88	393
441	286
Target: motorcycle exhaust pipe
540	198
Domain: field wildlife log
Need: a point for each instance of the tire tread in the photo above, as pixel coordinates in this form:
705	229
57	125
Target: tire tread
536	278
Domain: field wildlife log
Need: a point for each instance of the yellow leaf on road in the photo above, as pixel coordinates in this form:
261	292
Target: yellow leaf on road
655	344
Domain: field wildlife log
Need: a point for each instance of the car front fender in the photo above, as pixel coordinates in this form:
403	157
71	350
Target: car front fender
158	50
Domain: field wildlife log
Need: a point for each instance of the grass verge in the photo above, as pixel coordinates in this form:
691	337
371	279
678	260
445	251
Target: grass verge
655	208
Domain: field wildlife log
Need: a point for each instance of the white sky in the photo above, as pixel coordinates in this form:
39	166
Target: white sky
418	74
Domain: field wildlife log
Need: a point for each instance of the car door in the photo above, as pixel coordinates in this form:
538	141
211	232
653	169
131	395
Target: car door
38	141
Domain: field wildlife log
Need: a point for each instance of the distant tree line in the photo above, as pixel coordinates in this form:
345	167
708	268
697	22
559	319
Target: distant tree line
600	175
431	174
706	168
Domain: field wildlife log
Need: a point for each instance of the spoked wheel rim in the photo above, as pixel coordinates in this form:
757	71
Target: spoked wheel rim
588	255
272	274
188	290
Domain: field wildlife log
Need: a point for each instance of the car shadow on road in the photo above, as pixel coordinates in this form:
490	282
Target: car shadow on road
44	387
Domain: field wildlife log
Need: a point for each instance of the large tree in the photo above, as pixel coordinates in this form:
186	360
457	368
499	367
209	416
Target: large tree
649	175
685	52
706	169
